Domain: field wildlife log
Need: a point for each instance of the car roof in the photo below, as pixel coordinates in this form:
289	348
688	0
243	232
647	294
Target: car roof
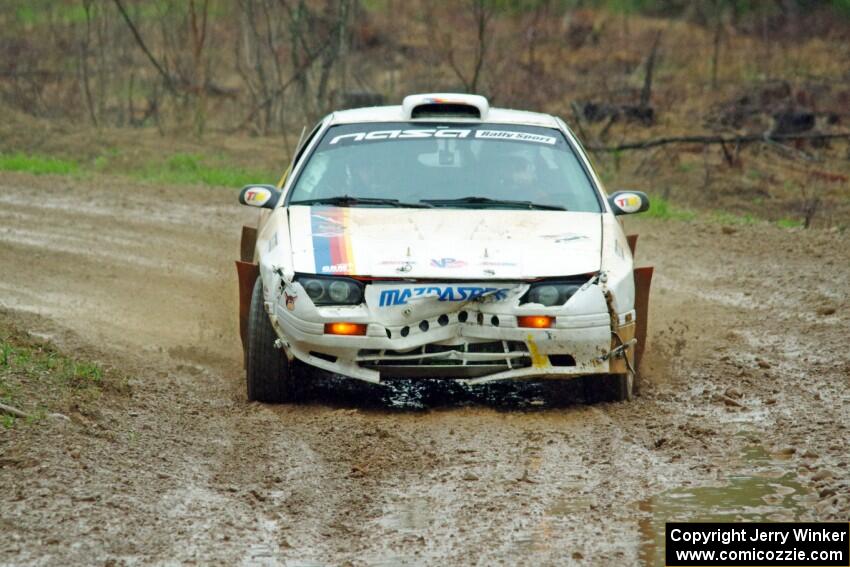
396	114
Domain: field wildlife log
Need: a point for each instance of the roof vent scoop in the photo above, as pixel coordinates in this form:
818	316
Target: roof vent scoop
445	105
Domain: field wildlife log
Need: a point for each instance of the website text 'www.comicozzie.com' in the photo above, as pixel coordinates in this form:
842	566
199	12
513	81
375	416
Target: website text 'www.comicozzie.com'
780	555
758	544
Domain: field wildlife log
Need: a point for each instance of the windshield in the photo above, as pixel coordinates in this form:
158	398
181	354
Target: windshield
459	165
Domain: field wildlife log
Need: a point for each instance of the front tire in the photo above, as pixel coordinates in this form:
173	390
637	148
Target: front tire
269	372
623	386
610	387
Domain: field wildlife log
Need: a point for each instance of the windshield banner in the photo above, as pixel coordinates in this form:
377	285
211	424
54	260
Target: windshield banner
419	133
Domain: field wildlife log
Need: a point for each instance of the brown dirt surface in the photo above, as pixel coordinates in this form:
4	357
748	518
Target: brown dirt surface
743	411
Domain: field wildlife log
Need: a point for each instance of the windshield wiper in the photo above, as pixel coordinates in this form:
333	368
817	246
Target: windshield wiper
349	201
494	202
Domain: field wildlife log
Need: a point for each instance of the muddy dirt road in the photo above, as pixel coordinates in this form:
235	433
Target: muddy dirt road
744	409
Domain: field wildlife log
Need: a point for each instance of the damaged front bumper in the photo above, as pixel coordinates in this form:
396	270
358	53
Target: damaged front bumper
427	332
478	340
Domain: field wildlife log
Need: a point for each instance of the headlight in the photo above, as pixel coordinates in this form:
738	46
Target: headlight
550	293
340	292
332	291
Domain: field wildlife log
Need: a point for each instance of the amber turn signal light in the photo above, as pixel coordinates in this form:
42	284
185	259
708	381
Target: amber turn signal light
535	321
345	329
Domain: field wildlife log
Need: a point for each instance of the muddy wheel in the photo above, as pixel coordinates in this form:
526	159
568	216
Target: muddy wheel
609	387
622	387
269	373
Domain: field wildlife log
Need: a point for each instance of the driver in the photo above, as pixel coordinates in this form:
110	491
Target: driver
362	178
366	176
516	178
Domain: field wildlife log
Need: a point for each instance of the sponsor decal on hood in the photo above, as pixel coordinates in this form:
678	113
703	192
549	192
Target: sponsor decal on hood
444	244
331	241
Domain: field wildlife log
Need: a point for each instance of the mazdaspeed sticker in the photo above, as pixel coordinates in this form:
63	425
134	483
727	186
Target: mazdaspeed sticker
391	296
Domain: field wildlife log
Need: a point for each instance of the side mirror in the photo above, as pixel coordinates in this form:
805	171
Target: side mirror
262	196
628	202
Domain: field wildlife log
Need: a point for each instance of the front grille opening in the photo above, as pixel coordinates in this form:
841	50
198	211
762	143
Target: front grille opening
444	320
497	347
390	352
405	331
494	346
323	356
423	326
462	316
562	360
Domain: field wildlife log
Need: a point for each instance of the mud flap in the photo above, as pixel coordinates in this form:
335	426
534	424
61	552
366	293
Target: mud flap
247	272
632	240
643	280
247	244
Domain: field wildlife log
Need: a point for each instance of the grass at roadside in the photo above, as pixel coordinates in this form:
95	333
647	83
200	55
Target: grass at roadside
723	217
726	218
661	208
191	169
37	164
789	223
36	378
176	169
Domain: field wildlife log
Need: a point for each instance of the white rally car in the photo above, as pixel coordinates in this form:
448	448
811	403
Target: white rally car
441	238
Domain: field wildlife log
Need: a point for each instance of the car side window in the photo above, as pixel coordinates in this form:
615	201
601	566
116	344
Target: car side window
300	150
315	174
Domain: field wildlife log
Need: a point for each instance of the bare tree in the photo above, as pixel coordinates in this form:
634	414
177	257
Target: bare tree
284	44
317	36
85	42
646	91
482	13
143	46
198	28
252	54
717	17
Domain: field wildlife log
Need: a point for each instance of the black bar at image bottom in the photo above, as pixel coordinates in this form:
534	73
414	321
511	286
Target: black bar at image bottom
806	544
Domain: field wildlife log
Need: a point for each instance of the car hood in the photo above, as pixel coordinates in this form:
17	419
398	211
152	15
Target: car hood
443	243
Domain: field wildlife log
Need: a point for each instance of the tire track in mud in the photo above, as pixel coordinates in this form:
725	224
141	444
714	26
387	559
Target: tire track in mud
188	470
512	495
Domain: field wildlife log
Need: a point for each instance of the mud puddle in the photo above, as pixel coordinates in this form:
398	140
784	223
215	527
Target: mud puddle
408	517
763	489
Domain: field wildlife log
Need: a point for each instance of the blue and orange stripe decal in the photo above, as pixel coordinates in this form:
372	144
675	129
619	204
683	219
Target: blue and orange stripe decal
332	249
